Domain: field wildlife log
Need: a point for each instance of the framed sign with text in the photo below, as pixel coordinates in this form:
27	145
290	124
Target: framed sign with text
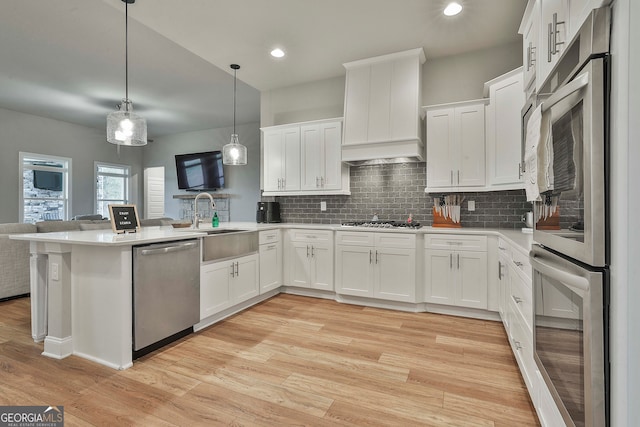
124	218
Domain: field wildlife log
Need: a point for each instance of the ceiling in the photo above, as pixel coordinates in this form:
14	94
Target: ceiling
64	59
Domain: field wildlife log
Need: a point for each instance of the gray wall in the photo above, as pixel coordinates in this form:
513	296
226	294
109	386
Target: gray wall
396	190
242	182
28	133
448	79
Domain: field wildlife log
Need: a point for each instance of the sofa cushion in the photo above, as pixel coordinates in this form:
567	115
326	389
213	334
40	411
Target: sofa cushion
53	226
151	222
14	260
102	225
15	228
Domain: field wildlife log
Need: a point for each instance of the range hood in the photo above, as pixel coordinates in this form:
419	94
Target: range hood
382	116
383	152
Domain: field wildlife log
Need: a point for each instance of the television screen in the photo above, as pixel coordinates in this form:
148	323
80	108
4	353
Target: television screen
47	180
200	171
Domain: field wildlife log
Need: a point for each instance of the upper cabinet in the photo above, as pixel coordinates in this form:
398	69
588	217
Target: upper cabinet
382	107
456	146
530	30
304	158
554	19
503	126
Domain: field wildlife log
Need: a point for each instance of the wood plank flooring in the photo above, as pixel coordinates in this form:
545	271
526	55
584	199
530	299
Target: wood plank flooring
290	360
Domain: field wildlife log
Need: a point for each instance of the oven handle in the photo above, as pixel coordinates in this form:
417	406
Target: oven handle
569	279
566	90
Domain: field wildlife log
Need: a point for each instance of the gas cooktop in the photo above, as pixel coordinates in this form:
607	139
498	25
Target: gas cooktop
382	224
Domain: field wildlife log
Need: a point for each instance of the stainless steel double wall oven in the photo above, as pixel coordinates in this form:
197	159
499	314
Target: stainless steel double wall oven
570	261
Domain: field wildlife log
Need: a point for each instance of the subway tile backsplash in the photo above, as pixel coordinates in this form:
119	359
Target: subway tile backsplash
394	191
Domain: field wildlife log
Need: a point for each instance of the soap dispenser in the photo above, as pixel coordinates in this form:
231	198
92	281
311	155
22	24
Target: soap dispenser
215	221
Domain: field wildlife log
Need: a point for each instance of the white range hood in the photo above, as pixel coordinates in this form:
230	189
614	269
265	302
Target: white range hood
383	122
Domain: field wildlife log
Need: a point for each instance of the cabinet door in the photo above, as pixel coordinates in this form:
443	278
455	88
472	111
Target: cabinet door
291	148
395	277
471	286
438	276
311	157
299	265
273	160
331	157
321	267
530	50
439	148
356	105
354	266
504	147
551	11
379	107
215	293
469	146
245	283
270	266
504	293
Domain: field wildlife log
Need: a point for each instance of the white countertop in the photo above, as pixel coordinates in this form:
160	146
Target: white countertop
147	235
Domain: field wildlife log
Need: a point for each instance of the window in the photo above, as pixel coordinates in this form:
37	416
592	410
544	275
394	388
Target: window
46	187
112	186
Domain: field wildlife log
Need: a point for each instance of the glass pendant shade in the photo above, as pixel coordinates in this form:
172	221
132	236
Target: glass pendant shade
234	153
124	127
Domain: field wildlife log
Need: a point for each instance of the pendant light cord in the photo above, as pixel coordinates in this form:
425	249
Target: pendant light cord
235	70
126	51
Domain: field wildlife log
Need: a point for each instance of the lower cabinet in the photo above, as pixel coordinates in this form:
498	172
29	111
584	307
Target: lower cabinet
455	270
227	283
270	250
376	265
309	260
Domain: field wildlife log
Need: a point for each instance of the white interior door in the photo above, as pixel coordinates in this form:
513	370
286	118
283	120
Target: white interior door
154	192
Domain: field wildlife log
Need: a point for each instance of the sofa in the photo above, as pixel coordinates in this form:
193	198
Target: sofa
14	254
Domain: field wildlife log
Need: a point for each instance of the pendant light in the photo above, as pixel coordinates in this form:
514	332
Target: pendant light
234	153
124	127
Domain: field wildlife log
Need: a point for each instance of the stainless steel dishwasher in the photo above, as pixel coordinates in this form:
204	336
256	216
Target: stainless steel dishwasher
166	293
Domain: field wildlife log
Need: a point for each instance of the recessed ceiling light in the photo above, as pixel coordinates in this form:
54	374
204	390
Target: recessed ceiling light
277	53
452	9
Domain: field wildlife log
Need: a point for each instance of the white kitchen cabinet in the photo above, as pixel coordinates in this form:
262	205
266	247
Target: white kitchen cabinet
281	164
270	250
320	156
548	412
309	259
304	158
456	145
504	135
530	30
227	283
382	105
455	275
578	12
553	37
376	265
504	282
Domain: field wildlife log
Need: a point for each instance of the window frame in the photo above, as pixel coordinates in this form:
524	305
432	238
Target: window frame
66	185
127	178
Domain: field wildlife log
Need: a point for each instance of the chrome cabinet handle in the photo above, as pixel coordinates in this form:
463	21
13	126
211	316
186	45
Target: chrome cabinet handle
237	269
322	181
451	176
550	34
458	181
370	256
532	59
520	170
271	247
232	270
307	251
312	251
376	257
450	261
518	263
517	344
458	259
516	299
317	182
528	55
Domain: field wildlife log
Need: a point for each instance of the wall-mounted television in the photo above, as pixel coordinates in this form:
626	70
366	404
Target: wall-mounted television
47	180
200	171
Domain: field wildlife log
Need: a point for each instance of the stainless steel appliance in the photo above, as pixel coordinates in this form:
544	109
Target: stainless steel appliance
570	271
166	293
268	212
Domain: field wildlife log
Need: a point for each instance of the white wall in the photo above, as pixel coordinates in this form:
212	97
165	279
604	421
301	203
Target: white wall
34	134
624	208
448	79
242	182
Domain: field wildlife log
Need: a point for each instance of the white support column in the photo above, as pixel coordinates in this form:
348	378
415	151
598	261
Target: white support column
38	280
59	343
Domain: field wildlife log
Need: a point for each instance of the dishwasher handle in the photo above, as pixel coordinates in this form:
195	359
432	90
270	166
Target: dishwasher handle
169	249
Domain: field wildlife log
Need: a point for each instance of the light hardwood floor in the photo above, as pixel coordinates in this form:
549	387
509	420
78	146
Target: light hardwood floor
290	360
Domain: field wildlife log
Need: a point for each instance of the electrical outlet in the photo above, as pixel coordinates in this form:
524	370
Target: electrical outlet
471	205
323	206
55	271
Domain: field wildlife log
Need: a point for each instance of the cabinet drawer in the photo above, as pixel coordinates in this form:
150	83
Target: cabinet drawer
521	297
353	238
268	236
395	240
504	248
456	242
310	235
522	263
522	344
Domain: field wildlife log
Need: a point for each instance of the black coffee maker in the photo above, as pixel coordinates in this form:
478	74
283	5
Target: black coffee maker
268	212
